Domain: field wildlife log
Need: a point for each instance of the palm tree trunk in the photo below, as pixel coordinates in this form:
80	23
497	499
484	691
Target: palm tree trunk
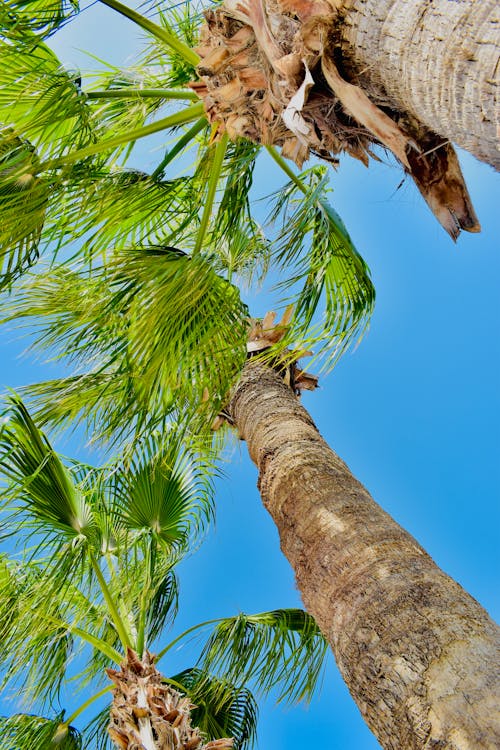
327	76
435	60
419	655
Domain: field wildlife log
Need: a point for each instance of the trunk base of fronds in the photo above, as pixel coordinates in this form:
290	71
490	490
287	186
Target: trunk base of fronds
271	71
262	336
148	714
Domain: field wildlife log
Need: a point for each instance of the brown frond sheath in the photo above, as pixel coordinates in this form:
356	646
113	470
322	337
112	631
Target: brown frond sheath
262	335
270	73
148	714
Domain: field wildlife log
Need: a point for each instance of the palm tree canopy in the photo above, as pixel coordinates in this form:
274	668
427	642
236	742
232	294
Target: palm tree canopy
92	574
159	259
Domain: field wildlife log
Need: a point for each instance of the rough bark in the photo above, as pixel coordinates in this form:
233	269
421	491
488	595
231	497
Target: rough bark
419	655
327	76
438	61
148	714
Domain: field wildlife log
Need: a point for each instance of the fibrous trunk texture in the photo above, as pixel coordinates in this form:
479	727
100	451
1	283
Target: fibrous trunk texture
418	654
438	60
326	76
148	714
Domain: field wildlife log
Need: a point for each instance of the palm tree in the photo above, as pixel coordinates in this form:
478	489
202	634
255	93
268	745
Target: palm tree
156	330
92	586
419	655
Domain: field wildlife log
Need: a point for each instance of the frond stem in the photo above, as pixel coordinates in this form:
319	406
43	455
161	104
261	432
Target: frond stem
86	704
133	93
179	118
157	31
93	640
179	146
215	172
185	633
176	684
120	626
287	169
143	605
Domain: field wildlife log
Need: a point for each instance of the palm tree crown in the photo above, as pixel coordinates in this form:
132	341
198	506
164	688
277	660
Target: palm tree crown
92	579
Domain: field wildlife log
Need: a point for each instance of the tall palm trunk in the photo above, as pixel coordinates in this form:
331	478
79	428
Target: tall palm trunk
437	60
418	654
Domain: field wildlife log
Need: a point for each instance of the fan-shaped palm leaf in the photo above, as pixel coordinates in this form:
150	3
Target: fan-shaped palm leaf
40	481
283	649
23	731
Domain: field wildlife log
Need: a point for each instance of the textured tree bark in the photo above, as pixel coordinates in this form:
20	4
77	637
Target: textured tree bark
436	59
419	655
324	77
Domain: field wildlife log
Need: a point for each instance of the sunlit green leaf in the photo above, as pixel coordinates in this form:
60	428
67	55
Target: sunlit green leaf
283	649
23	731
36	15
221	709
23	203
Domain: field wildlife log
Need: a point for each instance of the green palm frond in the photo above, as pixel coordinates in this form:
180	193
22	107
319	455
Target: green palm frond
163	606
330	271
153	325
118	112
41	16
239	243
23	203
165	494
282	650
37	645
23	731
95	734
42	100
39	485
165	33
221	708
123	208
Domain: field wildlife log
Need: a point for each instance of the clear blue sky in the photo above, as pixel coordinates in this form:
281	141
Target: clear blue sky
414	411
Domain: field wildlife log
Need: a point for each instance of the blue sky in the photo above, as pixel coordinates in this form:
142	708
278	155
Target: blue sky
414	411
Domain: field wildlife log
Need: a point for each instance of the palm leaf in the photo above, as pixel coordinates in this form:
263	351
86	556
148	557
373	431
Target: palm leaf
41	99
330	269
160	32
95	734
165	493
36	649
23	202
281	650
118	209
221	708
156	324
42	16
23	731
38	479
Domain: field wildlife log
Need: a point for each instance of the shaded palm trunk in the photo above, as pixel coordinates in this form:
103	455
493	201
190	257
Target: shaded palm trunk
148	714
418	654
436	61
